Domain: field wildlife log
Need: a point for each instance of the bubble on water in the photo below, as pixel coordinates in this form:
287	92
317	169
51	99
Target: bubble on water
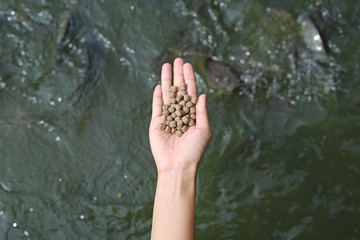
14	225
242	61
247	53
59	179
292	102
57	139
52	103
12	13
82	216
59	99
2	85
31	209
9	19
125	176
1	213
132	8
26	233
95	199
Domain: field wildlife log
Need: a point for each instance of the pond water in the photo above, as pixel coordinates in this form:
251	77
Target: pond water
75	161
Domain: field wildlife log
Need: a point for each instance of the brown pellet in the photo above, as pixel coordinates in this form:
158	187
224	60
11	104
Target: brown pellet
186	109
179	98
180	115
179	133
180	123
185	120
165	112
173	89
162	126
172	124
183	86
191	122
184	129
167	129
171	109
194	100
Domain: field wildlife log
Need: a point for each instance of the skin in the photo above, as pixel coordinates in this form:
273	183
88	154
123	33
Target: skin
176	158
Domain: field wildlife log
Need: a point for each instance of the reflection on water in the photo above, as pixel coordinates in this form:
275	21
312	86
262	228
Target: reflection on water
76	81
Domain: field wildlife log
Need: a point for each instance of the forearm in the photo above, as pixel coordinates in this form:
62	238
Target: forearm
174	207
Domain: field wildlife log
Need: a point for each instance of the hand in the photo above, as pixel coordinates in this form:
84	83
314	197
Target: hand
170	151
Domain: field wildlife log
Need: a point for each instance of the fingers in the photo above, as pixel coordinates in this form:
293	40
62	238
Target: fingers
190	79
178	72
157	102
202	117
166	82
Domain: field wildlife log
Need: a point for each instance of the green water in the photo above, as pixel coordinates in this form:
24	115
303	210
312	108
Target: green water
283	163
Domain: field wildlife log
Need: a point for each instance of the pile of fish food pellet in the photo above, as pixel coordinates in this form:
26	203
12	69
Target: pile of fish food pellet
180	115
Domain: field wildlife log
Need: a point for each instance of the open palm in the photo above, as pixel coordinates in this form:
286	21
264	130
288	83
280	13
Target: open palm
170	151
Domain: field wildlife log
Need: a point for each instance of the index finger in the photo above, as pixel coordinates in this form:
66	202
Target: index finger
189	76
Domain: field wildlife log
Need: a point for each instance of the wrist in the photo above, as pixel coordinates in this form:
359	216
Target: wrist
180	170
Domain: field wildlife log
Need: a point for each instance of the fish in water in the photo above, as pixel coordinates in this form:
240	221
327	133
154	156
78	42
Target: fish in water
293	46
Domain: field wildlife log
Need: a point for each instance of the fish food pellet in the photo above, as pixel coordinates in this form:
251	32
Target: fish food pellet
189	104
179	98
166	112
183	86
180	114
172	124
185	120
194	100
186	109
162	126
191	122
186	98
167	129
179	133
184	129
173	89
171	109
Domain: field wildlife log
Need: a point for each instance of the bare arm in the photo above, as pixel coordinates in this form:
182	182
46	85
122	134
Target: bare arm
177	159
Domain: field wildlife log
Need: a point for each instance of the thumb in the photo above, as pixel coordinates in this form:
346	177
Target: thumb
202	117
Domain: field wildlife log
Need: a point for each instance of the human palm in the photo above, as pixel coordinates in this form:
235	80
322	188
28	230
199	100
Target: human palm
170	151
